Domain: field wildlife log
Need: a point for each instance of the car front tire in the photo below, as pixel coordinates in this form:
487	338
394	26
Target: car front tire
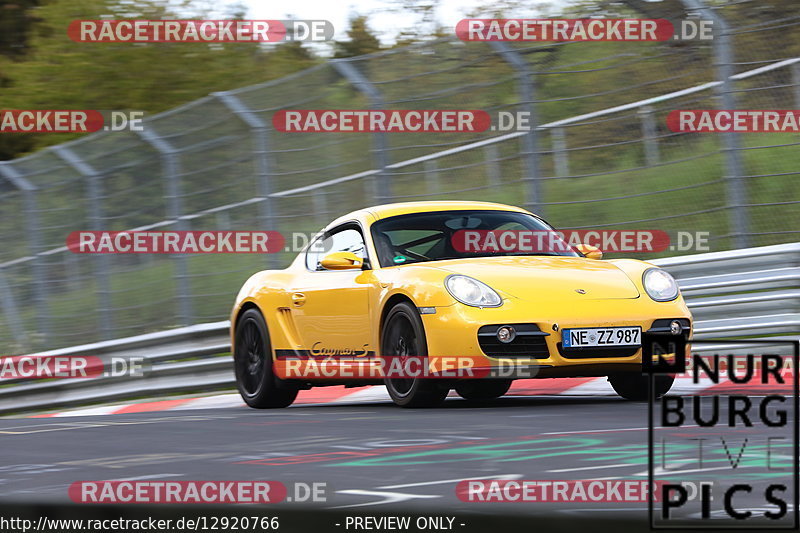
404	336
252	359
636	386
487	389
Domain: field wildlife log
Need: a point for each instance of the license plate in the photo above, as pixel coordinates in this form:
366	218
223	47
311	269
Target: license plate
588	337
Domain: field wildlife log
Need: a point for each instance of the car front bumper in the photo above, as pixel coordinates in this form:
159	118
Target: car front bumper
453	332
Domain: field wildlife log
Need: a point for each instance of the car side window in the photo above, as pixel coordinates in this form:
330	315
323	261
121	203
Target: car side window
344	240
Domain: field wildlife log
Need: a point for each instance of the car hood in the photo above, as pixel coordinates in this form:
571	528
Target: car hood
545	278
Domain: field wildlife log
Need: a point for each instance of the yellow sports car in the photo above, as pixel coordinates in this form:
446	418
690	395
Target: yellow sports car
403	283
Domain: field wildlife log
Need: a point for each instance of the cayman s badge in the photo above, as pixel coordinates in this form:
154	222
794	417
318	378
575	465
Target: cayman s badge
580	291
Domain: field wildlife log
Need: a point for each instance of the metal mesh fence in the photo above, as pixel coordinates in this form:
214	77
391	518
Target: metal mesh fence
600	155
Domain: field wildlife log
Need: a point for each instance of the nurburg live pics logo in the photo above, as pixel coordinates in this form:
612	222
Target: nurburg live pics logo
754	437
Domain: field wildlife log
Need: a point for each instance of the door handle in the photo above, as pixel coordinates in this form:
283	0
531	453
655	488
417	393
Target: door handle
298	299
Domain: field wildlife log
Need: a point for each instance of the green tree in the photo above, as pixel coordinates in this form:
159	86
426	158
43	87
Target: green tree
360	41
57	73
15	25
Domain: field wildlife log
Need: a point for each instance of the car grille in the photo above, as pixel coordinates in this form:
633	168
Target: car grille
529	342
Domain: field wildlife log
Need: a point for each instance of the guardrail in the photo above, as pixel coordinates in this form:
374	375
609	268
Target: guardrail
748	292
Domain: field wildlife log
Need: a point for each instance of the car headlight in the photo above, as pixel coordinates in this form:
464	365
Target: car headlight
659	285
470	291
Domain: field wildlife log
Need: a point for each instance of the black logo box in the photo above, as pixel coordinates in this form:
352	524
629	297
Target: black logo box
657	344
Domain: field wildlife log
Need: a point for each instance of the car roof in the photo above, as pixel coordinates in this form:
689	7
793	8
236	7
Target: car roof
371	214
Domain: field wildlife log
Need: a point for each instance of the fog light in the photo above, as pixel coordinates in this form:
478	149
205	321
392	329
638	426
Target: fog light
675	327
506	334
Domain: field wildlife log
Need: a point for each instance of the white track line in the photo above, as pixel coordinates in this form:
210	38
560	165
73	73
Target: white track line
92	411
365	395
598	467
216	401
595	387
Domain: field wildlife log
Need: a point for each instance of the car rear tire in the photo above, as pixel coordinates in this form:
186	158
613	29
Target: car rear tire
635	386
404	336
252	360
487	389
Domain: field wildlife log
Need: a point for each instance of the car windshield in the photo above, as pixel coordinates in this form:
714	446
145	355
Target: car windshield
420	237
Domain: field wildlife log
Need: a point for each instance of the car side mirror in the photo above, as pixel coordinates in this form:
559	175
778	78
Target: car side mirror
591	252
342	261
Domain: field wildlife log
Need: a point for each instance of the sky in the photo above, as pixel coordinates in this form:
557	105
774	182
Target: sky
385	23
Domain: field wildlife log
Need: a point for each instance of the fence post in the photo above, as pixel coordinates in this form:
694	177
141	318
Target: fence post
171	169
432	177
795	70
651	154
560	156
102	265
29	191
491	156
383	189
263	164
736	187
319	199
223	220
530	141
12	313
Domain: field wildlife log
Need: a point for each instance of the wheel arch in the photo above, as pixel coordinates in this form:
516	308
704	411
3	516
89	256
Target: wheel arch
392	301
245	307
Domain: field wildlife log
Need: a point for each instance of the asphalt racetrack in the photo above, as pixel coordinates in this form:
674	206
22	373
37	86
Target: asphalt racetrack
372	458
